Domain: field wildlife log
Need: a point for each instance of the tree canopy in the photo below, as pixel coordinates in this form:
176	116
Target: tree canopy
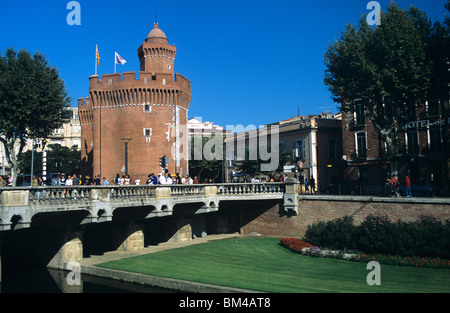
388	68
32	100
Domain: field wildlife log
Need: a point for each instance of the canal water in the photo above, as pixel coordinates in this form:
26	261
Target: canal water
43	280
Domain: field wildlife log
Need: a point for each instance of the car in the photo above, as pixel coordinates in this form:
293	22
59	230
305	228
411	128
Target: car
419	188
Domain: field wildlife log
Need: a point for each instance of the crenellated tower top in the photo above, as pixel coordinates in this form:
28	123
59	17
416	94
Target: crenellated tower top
156	55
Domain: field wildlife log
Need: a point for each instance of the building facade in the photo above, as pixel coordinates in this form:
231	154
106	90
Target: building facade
129	122
313	144
424	141
195	126
69	135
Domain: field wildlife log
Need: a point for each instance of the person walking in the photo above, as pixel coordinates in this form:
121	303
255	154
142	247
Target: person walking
97	180
41	184
3	182
312	182
394	185
154	179
75	182
407	186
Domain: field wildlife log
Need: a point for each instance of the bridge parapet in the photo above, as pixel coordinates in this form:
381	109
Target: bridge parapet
19	205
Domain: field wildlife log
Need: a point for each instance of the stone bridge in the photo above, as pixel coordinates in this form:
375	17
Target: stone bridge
20	207
60	223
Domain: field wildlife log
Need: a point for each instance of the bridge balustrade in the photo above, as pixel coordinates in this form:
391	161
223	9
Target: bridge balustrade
52	194
252	188
186	190
39	196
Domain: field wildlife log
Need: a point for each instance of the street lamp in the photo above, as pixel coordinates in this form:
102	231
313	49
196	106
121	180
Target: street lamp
126	141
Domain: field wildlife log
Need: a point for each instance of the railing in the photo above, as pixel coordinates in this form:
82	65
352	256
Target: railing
87	193
252	188
54	194
186	190
79	194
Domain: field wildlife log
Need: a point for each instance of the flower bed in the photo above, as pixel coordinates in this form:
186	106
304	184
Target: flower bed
305	248
295	244
405	261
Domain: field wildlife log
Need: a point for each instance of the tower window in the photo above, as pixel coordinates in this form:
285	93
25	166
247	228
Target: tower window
148	134
154	77
147	108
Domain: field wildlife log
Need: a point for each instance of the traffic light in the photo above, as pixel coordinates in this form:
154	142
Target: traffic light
162	162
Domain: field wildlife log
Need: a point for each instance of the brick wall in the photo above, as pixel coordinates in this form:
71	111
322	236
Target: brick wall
267	220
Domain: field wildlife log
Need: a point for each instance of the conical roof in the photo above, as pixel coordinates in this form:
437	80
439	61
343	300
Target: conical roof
156	35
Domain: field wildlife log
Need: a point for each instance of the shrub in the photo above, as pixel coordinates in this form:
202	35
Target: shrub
377	234
336	234
373	233
432	237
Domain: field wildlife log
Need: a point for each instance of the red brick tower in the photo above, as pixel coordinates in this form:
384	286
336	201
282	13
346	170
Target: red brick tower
129	123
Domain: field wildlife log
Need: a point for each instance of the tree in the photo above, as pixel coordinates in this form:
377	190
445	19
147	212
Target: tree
386	69
32	100
253	167
60	159
211	165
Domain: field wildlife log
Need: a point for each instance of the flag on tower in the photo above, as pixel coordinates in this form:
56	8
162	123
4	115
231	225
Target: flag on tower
120	60
97	55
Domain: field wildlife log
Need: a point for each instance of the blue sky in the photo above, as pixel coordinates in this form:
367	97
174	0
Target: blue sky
250	62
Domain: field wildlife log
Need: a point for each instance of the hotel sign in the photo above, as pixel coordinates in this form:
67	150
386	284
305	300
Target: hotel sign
425	123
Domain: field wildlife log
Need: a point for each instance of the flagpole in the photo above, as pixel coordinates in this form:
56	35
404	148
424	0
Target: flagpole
95	59
96	49
115	63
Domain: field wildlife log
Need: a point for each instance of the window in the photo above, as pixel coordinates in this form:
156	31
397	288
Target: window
360	116
433	107
435	139
361	145
412	141
332	151
148	134
147	108
299	152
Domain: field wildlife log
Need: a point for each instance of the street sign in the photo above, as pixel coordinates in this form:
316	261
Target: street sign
288	168
300	164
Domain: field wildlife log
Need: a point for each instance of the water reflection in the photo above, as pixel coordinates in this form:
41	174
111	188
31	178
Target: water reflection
45	280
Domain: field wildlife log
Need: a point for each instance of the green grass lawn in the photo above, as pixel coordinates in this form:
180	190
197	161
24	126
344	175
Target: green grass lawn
262	264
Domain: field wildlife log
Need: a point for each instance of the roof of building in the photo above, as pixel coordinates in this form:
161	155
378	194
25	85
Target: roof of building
156	35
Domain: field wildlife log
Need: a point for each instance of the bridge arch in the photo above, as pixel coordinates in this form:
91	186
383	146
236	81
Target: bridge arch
17	222
102	215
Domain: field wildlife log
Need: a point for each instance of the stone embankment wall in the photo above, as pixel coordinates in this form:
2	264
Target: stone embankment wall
269	220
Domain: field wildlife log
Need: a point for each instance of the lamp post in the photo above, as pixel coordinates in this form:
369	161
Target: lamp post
32	162
126	141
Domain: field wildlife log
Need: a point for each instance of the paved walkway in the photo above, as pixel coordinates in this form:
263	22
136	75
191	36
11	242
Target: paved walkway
117	255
